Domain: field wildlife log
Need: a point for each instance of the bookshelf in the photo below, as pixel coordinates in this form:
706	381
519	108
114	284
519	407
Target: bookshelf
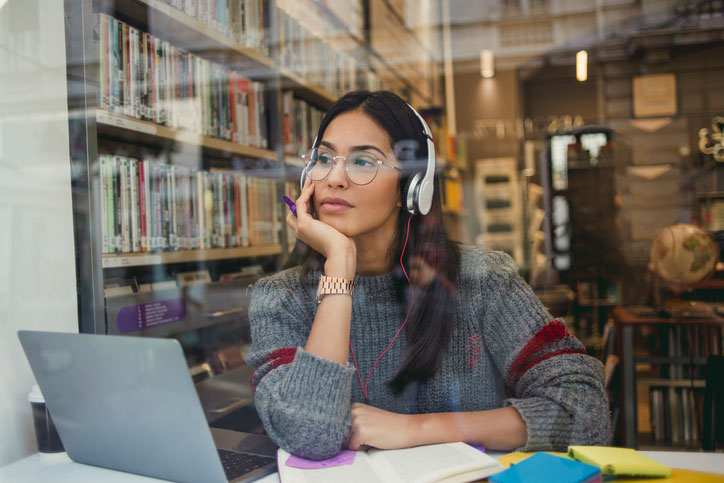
145	259
182	113
672	373
114	125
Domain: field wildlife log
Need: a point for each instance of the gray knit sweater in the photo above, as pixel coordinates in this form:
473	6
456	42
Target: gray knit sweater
505	350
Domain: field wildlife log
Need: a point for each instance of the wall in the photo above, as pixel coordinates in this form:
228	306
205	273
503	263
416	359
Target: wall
37	271
487	110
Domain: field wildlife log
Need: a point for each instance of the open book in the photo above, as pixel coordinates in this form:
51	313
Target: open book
449	462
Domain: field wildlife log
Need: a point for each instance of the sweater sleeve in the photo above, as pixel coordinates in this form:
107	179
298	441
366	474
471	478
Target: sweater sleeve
303	400
555	386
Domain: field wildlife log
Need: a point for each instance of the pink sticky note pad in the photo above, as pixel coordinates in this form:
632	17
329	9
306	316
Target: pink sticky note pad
346	457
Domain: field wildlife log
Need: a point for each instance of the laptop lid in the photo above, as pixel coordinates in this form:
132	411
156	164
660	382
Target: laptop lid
125	403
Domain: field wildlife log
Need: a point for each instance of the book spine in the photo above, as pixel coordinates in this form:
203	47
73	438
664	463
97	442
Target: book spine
188	211
146	77
173	214
133	72
196	210
104	203
158	206
168	208
117	197
251	185
103	58
244	211
126	70
237	210
150	206
209	207
142	189
232	107
134	202
125	208
226	222
117	104
276	210
218	212
110	204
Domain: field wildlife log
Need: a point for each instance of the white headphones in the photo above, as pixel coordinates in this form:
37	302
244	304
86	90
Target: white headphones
421	187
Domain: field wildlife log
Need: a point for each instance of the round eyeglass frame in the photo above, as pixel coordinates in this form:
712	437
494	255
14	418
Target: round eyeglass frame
309	157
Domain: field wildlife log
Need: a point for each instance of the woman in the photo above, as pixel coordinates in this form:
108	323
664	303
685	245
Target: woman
478	358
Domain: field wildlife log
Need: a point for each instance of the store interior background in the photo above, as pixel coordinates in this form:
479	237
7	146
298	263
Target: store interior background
502	120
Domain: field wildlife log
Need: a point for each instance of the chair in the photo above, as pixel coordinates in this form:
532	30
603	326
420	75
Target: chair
713	430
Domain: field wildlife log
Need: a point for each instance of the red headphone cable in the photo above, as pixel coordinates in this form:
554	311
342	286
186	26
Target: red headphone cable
409	309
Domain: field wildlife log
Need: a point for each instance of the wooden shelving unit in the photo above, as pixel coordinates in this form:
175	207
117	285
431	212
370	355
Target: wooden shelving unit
305	89
109	121
182	256
197	37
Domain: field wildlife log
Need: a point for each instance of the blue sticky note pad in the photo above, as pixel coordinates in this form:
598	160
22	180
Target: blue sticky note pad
543	467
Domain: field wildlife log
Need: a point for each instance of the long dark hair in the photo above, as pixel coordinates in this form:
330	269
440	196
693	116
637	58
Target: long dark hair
429	326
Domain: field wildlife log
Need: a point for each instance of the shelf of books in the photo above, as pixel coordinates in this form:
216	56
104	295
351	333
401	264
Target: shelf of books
238	28
196	118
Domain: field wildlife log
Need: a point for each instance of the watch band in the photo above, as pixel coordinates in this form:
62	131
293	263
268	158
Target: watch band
333	285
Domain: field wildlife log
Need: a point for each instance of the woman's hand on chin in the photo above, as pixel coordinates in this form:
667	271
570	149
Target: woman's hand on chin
320	236
377	428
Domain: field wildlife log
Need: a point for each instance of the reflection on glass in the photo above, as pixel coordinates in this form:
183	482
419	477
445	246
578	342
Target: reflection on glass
592	142
559	161
560	211
562	241
562	262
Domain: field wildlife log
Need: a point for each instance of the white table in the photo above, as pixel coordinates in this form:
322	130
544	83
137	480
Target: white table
59	468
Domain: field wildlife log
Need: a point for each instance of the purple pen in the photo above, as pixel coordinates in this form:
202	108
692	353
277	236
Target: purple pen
291	204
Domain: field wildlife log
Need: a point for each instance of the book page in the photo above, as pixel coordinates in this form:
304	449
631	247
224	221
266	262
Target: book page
360	471
434	462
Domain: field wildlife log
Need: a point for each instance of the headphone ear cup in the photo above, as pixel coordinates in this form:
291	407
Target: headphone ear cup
412	193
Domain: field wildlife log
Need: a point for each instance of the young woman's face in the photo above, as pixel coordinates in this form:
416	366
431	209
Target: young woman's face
359	211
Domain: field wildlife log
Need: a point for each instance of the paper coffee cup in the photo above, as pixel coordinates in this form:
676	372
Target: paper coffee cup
45	432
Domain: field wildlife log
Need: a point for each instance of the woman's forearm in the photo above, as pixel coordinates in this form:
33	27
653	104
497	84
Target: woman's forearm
501	429
329	337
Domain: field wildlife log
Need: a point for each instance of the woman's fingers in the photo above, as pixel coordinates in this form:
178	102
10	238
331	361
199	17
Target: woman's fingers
378	428
355	440
304	201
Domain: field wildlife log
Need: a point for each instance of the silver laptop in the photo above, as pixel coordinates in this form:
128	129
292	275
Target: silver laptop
129	404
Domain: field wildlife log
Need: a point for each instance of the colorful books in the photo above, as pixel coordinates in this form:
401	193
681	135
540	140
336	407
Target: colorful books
240	20
544	467
619	461
303	53
145	77
299	122
148	206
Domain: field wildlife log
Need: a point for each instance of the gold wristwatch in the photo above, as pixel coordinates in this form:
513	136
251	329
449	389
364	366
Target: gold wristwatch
333	285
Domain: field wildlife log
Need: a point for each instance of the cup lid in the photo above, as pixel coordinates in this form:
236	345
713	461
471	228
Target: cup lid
35	395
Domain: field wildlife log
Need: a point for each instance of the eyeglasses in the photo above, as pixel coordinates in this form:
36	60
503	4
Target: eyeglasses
360	167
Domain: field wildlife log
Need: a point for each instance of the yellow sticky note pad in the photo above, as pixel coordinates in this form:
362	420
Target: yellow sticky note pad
619	461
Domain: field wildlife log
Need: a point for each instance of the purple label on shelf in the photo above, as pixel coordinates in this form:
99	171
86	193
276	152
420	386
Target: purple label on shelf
137	317
346	457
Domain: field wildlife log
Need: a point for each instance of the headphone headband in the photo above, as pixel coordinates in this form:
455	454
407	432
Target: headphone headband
420	189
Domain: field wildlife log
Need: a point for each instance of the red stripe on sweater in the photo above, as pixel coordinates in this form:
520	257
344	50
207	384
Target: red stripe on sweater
283	352
278	357
548	356
553	331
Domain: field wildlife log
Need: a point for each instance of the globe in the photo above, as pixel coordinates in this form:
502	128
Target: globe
684	254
